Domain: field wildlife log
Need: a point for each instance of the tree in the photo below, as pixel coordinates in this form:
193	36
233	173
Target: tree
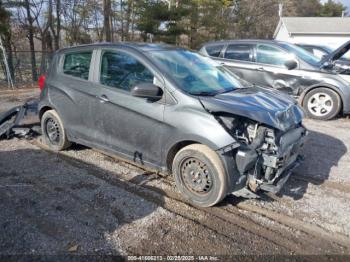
54	23
304	8
30	27
332	8
150	16
5	34
78	18
107	10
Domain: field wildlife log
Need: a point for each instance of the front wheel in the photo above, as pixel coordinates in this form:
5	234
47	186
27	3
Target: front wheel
200	175
322	104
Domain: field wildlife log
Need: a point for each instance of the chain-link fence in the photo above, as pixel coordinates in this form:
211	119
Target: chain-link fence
21	68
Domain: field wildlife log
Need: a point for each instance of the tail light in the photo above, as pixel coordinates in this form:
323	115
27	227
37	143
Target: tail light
41	82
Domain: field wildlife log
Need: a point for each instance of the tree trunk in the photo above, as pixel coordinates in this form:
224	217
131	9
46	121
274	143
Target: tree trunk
122	20
58	25
133	21
8	49
107	10
128	19
31	41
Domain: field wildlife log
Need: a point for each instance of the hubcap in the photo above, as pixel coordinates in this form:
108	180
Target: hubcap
196	176
53	131
320	104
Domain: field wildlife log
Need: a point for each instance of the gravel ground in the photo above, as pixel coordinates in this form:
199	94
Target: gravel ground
320	190
84	202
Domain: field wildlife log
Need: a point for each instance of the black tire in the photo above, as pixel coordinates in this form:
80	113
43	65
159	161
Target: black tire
54	134
322	104
208	183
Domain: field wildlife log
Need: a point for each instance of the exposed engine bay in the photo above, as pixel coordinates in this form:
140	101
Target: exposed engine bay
266	155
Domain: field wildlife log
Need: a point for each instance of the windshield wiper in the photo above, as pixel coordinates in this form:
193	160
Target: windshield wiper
226	91
203	93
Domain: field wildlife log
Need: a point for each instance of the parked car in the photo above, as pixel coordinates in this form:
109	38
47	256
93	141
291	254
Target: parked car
323	90
319	51
322	52
174	110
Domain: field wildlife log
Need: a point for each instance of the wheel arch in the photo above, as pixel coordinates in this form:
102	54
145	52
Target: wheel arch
174	149
323	85
43	110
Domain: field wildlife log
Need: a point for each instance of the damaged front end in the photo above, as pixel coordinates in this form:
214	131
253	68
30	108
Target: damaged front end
266	155
268	128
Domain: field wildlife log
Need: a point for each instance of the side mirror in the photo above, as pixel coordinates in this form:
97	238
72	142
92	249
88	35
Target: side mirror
147	90
291	64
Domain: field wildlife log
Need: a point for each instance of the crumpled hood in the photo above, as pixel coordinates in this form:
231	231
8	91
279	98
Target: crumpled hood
266	106
336	54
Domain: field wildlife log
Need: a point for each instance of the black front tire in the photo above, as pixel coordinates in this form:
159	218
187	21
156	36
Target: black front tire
54	134
322	104
200	175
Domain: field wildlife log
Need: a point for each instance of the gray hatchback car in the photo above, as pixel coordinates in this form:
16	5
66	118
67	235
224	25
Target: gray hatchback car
174	110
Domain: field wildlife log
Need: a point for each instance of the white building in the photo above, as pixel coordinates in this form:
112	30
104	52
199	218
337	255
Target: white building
329	31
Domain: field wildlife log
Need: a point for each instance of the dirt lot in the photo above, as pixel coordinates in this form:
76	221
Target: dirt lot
84	202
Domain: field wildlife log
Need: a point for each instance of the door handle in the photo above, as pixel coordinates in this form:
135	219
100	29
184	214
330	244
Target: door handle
103	99
260	68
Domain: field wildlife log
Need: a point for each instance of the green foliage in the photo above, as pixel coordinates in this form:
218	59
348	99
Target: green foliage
4	21
332	8
151	14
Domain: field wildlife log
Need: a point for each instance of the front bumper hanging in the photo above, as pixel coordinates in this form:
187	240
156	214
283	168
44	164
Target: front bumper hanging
10	120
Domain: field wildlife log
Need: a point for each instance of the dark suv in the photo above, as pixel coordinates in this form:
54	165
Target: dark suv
322	88
176	111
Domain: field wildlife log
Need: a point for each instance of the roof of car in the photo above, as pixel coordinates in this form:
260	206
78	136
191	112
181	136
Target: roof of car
225	42
135	45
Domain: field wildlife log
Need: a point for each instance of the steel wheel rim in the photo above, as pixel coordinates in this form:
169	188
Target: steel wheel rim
52	131
196	176
320	104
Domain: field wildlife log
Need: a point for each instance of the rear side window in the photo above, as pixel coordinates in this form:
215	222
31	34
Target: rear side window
77	64
241	52
214	50
123	71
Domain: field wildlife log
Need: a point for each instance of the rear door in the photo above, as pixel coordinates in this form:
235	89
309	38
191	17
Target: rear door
127	124
73	94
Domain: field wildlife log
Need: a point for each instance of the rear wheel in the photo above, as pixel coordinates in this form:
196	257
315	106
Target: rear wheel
322	104
54	134
200	175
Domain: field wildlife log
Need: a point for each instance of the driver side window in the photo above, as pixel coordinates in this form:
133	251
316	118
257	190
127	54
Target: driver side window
266	54
123	71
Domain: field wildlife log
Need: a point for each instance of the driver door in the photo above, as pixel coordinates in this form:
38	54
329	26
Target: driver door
129	125
271	71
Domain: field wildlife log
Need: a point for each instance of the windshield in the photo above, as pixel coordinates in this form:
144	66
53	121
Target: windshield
327	48
196	74
302	54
